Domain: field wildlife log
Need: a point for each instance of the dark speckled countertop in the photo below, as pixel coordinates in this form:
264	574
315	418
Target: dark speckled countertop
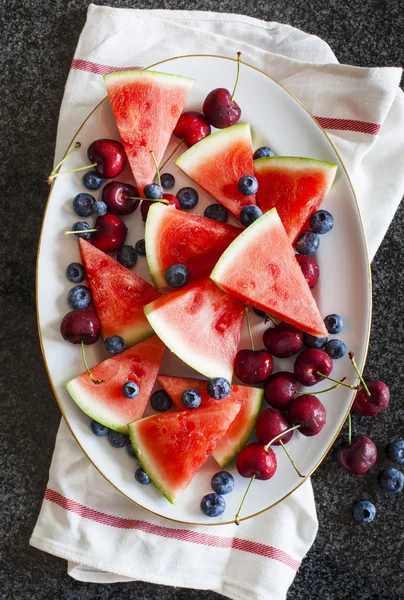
38	39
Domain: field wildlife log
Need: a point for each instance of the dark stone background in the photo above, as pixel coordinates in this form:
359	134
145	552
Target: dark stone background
347	561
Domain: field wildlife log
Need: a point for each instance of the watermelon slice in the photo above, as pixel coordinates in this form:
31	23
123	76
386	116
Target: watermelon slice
118	295
260	268
175	237
218	161
105	402
295	186
146	107
201	325
172	447
239	431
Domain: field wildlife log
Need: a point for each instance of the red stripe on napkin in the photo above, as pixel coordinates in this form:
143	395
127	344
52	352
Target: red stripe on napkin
92	67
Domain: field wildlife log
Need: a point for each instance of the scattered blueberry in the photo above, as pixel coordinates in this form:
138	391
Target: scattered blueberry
98	429
213	505
307	243
321	221
130	390
79	297
75	272
127	256
249	214
161	401
92	180
263	152
191	398
117	439
222	482
188	198
395	452
216	212
335	349
311	341
114	344
153	191
218	388
100	208
364	511
142	477
140	247
334	323
247	185
391	480
177	276
130	449
167	181
83	205
260	313
82	226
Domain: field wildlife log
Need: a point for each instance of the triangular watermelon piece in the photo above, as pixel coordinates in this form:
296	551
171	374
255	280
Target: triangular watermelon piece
260	268
176	237
172	447
218	161
146	107
201	325
238	433
118	295
105	402
294	186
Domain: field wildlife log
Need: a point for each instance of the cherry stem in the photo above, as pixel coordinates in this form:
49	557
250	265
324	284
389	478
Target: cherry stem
237	517
93	379
157	167
171	155
53	175
76	145
80	231
247	316
351	387
349	428
237	76
355	366
270	318
162	200
280	435
291	460
334	387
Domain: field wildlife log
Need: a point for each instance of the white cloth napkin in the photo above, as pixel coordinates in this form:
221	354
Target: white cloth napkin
83	519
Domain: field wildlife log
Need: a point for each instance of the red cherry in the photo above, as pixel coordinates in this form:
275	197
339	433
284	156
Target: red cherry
172	201
119	196
220	110
280	389
192	127
111	233
359	456
80	324
372	405
270	423
109	155
255	460
253	366
283	340
310	269
310	361
310	412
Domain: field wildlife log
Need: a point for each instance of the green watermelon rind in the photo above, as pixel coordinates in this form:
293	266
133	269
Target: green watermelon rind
133	334
262	165
136	74
155	217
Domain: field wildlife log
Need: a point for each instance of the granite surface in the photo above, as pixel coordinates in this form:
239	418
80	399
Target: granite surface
38	39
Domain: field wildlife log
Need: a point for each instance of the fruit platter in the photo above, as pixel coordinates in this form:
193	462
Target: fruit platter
202	278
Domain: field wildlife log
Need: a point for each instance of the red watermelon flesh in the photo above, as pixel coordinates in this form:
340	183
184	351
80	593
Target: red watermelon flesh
294	186
146	107
240	430
105	402
118	295
276	283
218	161
175	237
172	447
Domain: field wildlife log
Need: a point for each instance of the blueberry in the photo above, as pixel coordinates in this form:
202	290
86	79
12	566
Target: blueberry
98	429
130	449
100	208
263	152
92	180
395	452
311	341
335	349
307	243
247	185
334	323
217	212
161	401
191	398
260	313
153	191
364	511
218	388
79	297
391	480
127	256
83	205
114	344
321	221
142	477
222	482
213	505
249	214
75	272
177	276
188	198
140	247
130	390
117	439
167	181
82	226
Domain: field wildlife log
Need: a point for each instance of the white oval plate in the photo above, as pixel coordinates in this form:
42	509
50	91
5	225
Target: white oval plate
276	119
